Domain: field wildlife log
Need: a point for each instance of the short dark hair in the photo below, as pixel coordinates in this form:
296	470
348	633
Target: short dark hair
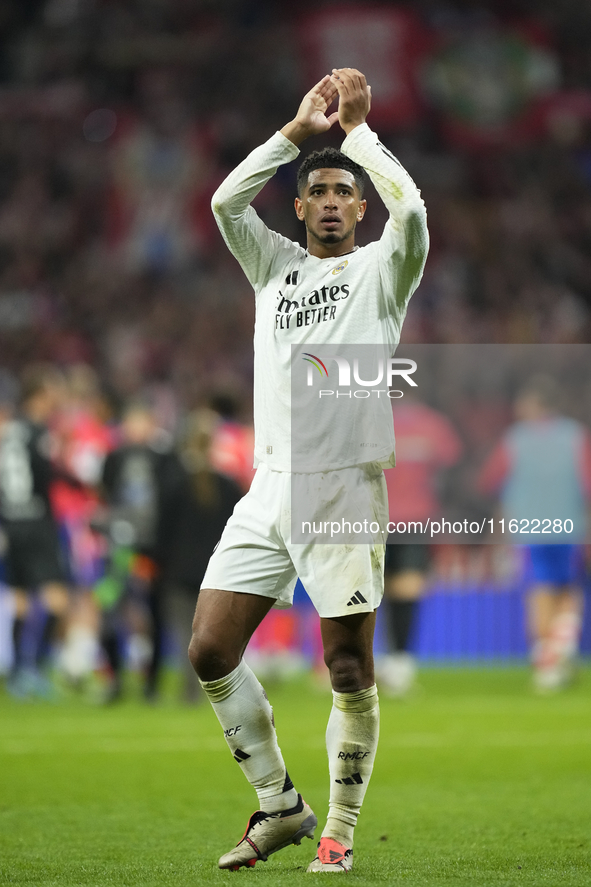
330	158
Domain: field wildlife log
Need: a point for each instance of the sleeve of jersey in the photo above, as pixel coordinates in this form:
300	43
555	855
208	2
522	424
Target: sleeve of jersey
246	235
404	244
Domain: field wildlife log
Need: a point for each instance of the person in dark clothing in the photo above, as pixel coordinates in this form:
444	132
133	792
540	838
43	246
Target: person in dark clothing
138	478
193	519
34	562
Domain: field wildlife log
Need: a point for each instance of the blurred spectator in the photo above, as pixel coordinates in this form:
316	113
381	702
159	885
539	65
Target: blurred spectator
83	439
196	512
426	445
542	470
160	165
35	566
138	477
232	445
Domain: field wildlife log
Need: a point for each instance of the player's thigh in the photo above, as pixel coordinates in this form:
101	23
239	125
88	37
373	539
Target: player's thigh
228	613
351	635
224	622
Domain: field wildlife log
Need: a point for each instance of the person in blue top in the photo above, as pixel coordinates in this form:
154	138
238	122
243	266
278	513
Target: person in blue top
542	470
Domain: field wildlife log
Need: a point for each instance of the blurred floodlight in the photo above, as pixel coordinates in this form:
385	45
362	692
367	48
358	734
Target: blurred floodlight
99	125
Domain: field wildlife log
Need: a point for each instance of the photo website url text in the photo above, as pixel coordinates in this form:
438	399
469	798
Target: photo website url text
489	526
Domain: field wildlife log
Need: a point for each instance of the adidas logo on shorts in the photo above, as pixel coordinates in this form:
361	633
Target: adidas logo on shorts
357	599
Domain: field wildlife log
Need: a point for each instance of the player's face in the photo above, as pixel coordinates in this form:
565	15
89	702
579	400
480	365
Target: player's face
330	206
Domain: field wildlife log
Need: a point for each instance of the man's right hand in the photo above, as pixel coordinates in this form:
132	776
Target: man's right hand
311	118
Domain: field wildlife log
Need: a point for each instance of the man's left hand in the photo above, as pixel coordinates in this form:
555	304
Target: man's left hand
354	97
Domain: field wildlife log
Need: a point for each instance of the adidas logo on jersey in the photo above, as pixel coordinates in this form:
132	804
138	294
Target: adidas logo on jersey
357	599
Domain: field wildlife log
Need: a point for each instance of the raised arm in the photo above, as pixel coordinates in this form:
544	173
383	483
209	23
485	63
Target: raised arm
311	118
246	236
405	241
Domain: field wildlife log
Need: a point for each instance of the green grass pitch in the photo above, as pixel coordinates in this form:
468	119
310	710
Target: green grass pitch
477	782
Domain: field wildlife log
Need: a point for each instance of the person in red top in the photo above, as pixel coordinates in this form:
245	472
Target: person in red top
426	444
232	447
83	438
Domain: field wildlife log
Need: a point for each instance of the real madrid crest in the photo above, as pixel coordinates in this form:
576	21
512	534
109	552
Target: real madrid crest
340	267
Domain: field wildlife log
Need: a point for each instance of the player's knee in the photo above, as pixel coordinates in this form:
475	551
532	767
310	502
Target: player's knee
209	659
349	671
201	656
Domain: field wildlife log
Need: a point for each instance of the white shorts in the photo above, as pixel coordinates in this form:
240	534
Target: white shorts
255	554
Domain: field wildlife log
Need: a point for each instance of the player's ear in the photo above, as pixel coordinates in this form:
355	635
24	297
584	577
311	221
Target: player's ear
361	210
299	208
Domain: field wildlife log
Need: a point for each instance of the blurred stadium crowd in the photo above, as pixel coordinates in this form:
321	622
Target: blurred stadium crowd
118	119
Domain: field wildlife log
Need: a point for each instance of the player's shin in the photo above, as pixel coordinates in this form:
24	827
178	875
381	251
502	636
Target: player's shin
351	742
246	716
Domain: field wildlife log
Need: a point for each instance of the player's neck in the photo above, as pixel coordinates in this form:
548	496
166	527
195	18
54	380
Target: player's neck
330	250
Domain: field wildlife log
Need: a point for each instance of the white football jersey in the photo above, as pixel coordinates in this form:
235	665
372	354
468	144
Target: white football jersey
359	298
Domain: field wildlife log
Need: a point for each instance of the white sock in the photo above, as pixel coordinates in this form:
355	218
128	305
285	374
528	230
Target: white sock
246	716
351	742
562	644
80	652
565	633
